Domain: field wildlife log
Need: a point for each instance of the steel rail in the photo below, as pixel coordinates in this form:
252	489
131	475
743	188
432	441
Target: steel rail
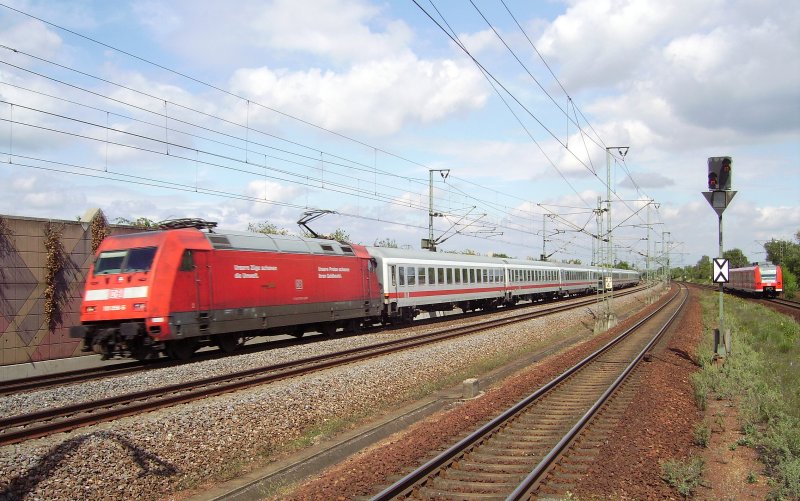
38	424
525	487
14	386
406	484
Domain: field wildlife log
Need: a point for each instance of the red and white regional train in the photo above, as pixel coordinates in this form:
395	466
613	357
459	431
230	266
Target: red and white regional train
176	290
763	279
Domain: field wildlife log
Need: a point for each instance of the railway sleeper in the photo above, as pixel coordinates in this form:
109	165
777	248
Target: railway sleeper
484	476
522	469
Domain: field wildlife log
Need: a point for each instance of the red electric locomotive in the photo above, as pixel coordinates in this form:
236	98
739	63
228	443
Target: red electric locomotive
759	279
175	290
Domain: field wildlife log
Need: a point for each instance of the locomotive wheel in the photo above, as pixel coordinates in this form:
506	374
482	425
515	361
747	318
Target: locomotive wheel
353	326
298	331
141	352
329	329
180	349
228	342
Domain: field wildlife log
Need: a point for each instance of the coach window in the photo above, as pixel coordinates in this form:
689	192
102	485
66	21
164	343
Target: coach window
449	275
402	270
457	273
472	275
421	275
412	276
432	276
440	276
187	261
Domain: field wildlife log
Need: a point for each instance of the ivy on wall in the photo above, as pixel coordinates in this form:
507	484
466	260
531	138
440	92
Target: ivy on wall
56	259
99	230
5	235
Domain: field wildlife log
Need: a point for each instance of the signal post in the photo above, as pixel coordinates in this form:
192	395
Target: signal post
719	197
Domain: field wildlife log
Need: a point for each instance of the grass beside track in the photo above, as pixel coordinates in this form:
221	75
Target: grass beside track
762	376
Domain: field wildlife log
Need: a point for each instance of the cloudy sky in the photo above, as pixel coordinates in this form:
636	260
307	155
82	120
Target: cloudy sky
257	111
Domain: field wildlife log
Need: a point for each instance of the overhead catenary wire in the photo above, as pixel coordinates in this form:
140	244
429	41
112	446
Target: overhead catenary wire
169	129
493	80
371	169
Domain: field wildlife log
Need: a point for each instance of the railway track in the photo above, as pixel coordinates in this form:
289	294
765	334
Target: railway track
36	383
54	380
23	427
794	305
511	456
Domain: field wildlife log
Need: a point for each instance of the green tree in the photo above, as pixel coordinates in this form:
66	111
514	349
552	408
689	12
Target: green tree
340	235
141	223
266	228
622	265
736	258
573	261
702	270
785	253
386	242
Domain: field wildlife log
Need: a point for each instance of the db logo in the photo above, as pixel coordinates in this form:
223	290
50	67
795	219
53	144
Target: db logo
115	294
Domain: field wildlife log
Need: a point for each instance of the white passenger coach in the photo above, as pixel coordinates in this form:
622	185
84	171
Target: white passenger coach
415	281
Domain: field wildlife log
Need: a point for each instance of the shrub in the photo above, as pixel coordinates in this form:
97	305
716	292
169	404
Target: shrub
683	476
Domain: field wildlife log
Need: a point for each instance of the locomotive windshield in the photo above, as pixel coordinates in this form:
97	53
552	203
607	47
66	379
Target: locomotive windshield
125	261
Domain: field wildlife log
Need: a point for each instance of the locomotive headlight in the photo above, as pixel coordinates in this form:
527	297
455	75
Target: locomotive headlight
157	320
90	309
139	307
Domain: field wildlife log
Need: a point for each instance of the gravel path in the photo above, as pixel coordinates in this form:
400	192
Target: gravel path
153	455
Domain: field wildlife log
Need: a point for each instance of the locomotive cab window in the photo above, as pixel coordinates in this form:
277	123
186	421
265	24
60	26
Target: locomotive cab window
125	261
187	261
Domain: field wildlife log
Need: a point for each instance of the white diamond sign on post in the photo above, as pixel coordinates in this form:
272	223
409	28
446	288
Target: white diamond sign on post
721	269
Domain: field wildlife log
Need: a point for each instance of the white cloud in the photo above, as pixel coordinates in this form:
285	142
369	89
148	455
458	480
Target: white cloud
376	97
33	37
684	66
210	32
481	42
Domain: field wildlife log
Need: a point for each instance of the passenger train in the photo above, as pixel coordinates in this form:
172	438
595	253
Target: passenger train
174	290
761	279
